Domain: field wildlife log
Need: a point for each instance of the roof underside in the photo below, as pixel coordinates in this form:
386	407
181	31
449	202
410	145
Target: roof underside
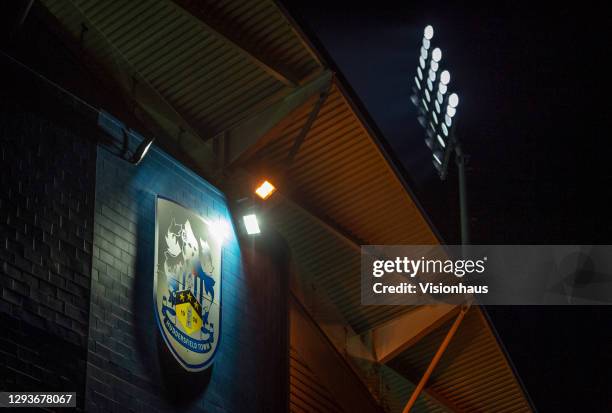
197	71
473	374
201	75
340	172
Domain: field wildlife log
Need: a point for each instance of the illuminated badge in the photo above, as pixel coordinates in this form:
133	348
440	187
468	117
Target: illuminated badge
187	283
188	311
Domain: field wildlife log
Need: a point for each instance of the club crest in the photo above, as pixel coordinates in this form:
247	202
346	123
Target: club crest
187	284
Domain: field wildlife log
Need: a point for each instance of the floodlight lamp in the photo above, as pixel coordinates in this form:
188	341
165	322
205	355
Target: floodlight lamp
422	62
451	111
453	100
426	43
427	93
423	52
419	73
435	117
250	224
445	77
444	129
441	141
265	190
141	151
434	66
428	33
436	55
448	120
437	106
442	88
429	84
418	84
438	156
429	141
432	75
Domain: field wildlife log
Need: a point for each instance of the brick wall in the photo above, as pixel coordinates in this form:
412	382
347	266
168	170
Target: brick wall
76	255
75	218
46	228
129	367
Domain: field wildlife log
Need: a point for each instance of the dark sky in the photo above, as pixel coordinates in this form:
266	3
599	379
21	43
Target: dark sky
534	117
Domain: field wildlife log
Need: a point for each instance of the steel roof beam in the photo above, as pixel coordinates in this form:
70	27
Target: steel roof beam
297	143
146	110
244	139
402	332
409	379
239	41
434	362
291	193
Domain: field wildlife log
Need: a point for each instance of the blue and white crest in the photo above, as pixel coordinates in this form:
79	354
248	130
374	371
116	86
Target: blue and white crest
187	284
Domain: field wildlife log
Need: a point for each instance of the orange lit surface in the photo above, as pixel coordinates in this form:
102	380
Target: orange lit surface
265	190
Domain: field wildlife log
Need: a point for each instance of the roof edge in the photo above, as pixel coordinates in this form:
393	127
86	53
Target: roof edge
358	107
489	323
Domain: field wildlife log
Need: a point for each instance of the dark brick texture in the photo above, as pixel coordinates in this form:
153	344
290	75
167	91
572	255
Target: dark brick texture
46	233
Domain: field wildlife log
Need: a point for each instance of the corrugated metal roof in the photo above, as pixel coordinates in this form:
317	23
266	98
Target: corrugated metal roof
330	267
473	373
307	394
202	76
262	22
397	390
340	170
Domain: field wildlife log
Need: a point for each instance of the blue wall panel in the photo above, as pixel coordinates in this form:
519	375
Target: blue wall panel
128	365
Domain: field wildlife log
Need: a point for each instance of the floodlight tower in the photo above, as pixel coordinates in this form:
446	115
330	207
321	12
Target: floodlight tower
436	114
437	110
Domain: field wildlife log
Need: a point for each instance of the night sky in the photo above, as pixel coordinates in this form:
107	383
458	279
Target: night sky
534	117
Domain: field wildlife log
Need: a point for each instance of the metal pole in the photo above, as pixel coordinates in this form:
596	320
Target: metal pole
436	358
22	17
463	205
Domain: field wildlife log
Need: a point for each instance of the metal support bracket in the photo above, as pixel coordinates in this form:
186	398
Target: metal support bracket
299	140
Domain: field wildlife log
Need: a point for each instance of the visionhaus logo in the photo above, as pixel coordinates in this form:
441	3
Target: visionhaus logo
187	284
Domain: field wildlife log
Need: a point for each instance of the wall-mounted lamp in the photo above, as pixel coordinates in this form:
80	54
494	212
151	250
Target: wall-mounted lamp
251	201
141	151
127	138
251	224
245	211
265	190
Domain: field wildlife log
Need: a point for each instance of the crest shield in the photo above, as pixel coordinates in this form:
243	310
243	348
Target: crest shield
187	284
